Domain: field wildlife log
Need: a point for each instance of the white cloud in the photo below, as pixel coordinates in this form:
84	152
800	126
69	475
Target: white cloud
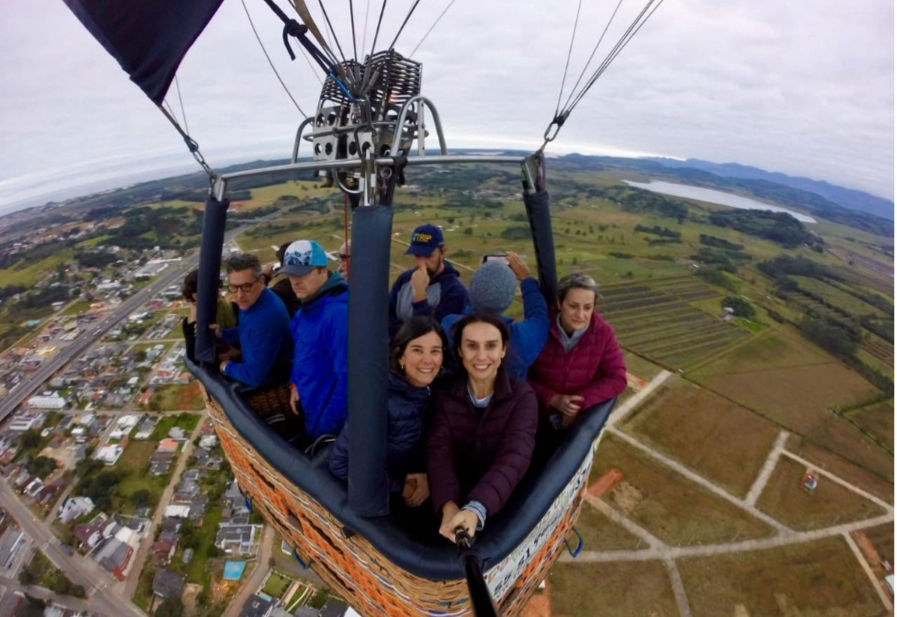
799	87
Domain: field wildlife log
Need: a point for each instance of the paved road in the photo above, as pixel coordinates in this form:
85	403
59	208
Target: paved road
252	582
769	465
81	570
139	559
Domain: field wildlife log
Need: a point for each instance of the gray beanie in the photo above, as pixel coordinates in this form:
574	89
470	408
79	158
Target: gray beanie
492	287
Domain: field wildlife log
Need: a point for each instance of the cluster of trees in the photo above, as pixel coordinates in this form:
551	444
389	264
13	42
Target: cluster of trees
41	466
41	572
166	227
43	297
800	266
516	232
717	258
721	243
831	335
717	277
7	291
780	227
740	307
95	259
640	200
657	230
100	487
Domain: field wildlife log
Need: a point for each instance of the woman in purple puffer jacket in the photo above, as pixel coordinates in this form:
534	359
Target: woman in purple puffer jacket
483	431
581	364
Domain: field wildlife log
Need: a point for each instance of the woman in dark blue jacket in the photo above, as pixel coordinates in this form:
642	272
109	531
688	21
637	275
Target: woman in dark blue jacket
415	361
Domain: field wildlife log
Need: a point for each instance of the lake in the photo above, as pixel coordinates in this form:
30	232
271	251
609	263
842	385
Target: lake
715	197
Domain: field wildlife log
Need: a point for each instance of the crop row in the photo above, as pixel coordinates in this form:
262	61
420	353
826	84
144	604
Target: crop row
682	358
879	350
694	330
665	321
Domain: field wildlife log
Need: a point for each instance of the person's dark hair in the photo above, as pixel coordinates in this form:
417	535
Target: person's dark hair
493	320
413	328
282	251
244	261
576	280
190	285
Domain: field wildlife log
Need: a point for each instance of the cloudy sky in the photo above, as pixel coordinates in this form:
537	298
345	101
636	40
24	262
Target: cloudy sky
802	87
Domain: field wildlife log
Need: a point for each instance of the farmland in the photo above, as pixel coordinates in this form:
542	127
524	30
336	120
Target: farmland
716	437
656	320
815	578
668	505
830	504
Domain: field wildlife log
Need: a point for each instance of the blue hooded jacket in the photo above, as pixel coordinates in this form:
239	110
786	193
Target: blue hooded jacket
320	331
407	412
528	337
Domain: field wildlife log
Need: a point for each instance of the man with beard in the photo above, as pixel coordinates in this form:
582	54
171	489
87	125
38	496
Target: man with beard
432	288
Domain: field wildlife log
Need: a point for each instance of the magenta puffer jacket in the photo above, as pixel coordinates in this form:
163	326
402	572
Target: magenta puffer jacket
594	369
480	454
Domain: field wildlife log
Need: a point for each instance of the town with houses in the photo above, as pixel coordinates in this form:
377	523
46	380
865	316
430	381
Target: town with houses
119	486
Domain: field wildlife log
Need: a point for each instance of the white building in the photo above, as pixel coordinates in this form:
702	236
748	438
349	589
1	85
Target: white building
23	421
176	511
47	402
75	507
109	454
124	425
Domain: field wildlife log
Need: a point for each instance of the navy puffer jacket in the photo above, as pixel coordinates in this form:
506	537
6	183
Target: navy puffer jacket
407	410
480	454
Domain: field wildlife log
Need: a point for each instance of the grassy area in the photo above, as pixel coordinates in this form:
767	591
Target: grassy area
135	462
882	486
186	421
877	419
176	396
674	509
621	589
76	308
276	584
640	367
143	594
814	578
599	533
40	571
831	503
198	570
719	439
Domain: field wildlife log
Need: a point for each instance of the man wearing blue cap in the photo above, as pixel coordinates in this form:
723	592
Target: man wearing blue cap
320	328
432	287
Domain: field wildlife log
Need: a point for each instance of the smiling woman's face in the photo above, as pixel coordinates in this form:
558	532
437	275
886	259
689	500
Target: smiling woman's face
422	359
481	350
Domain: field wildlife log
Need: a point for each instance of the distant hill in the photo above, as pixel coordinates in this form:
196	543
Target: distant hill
847	198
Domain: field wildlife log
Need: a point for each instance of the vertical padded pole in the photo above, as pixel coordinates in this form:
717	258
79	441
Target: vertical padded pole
213	220
539	215
369	360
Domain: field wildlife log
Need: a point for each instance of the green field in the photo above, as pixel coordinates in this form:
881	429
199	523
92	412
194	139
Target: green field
186	421
175	397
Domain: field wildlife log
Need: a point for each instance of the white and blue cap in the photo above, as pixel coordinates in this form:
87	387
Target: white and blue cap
303	256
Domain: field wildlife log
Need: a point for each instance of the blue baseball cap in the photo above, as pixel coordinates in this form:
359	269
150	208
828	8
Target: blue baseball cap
303	256
424	240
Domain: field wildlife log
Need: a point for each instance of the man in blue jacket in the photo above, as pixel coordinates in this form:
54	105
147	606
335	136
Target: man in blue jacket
492	289
263	330
320	328
432	287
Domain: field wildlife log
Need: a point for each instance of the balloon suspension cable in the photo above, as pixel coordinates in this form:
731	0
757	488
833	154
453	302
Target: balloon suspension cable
364	31
427	33
177	87
557	107
270	63
402	27
352	20
377	31
192	145
332	31
575	96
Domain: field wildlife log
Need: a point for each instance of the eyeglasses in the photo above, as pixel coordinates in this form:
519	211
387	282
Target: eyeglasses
245	287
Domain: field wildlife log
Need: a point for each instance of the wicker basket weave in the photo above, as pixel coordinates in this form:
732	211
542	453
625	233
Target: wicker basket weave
358	572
